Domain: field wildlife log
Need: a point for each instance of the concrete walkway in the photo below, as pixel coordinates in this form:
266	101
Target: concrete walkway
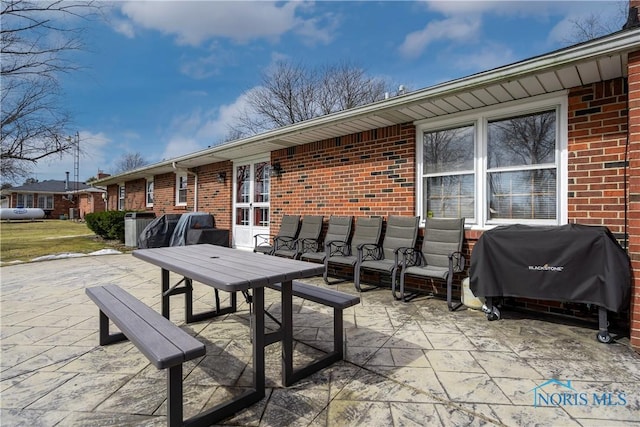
412	364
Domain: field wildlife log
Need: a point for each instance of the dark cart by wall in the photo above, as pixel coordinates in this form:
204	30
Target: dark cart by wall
573	262
191	228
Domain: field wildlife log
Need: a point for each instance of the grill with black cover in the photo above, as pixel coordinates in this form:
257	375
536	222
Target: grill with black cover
573	262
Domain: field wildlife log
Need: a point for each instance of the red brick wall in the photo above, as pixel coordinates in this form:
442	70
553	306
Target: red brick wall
365	174
112	198
215	197
597	141
164	194
89	203
634	192
135	195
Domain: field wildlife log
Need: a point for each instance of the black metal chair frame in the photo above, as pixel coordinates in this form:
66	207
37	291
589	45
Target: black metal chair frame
401	233
416	258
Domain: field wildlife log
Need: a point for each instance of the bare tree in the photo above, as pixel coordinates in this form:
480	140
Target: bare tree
290	93
596	25
35	40
129	161
345	86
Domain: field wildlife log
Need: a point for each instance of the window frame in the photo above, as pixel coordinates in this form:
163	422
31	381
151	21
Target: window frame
122	194
28	200
47	198
149	184
480	118
179	179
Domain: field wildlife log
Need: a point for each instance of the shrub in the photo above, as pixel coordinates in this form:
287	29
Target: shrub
108	225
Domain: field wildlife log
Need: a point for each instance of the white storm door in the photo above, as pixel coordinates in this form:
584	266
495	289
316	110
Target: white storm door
250	202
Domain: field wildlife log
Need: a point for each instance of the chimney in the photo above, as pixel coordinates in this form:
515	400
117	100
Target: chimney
633	20
66	182
101	174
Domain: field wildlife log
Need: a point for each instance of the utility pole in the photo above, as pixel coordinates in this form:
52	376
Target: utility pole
76	162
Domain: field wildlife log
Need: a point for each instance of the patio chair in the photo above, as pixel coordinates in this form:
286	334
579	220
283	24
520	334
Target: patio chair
439	258
288	231
338	231
308	238
401	233
368	230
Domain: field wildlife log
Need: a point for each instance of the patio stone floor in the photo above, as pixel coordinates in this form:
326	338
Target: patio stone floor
414	364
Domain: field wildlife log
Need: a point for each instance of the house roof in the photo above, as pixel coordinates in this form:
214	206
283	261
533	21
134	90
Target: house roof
52	187
597	60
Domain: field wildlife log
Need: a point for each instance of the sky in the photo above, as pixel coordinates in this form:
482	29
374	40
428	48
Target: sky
166	78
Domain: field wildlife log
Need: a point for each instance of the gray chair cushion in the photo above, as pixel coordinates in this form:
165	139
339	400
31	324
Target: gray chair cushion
402	232
310	230
442	237
339	229
311	227
368	230
289	226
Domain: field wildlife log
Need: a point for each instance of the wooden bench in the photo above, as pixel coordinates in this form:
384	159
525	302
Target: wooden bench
331	298
163	343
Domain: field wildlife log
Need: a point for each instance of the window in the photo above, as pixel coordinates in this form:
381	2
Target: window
181	189
521	167
496	166
45	201
121	195
150	192
262	182
448	172
25	200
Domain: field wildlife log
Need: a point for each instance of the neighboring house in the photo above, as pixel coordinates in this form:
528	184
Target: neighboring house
546	141
57	198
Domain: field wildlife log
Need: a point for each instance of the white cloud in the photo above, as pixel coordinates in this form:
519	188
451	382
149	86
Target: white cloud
195	22
200	129
124	27
452	29
610	16
492	56
217	128
504	7
463	20
180	145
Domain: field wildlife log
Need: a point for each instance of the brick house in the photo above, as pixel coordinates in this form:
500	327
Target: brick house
381	159
58	198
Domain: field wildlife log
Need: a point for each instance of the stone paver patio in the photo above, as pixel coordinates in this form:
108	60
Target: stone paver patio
412	364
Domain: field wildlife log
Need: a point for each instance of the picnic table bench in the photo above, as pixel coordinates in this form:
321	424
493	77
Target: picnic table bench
331	298
163	343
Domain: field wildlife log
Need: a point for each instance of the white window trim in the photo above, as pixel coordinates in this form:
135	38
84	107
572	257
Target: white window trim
146	193
24	197
480	118
46	198
121	199
178	176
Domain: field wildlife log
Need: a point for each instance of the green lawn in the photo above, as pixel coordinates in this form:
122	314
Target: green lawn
26	240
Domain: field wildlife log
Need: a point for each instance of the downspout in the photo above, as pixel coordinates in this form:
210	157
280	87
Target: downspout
195	189
195	180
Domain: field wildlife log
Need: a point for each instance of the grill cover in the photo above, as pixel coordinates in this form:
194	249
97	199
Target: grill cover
157	234
188	221
573	262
